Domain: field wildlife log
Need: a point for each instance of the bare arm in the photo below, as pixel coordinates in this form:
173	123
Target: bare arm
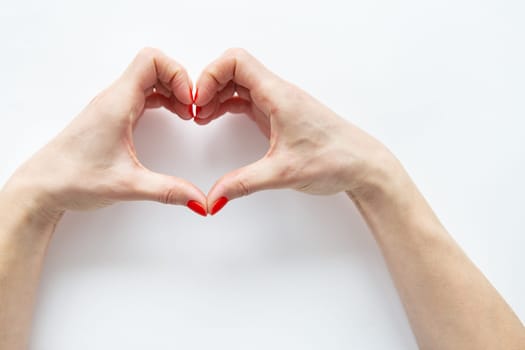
24	236
90	164
449	302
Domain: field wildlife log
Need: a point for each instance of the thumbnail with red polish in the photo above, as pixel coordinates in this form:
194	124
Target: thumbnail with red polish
196	207
219	204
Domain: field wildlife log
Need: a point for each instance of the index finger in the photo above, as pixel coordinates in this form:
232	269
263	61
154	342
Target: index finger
235	65
151	66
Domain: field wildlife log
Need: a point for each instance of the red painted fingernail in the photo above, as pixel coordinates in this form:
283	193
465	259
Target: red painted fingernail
219	204
197	111
196	95
197	207
190	110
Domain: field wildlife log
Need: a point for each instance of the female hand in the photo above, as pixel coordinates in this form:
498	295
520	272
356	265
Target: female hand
92	163
311	149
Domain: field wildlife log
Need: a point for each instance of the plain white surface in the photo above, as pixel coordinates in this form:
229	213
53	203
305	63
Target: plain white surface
441	83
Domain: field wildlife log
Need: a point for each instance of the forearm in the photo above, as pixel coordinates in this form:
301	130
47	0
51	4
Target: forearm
24	236
450	304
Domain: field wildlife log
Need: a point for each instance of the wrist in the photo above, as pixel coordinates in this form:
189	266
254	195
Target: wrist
32	203
388	198
382	179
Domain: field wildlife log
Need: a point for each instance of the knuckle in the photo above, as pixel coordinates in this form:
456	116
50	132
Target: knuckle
244	188
238	52
177	77
168	197
286	101
263	92
148	52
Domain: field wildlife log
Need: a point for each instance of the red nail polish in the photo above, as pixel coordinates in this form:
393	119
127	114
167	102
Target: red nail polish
219	204
191	95
196	95
197	207
190	110
197	110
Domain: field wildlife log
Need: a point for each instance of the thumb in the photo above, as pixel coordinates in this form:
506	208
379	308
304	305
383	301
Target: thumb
167	189
264	174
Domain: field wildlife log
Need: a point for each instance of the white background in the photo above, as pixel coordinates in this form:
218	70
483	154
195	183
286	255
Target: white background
440	82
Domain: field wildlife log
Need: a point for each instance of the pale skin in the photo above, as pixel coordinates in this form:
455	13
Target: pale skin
449	303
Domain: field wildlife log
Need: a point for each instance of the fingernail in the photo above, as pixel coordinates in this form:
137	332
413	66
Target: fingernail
196	95
219	204
197	111
191	95
197	207
190	110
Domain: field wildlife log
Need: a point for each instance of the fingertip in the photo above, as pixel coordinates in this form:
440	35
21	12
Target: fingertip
218	196
205	90
218	205
182	88
184	111
197	207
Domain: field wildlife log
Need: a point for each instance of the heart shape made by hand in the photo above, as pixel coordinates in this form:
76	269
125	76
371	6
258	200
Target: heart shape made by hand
310	147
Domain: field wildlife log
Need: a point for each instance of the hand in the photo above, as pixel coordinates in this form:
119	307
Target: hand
92	163
311	149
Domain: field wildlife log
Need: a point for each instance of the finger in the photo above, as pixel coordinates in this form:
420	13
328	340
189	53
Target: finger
262	175
166	189
233	90
208	109
234	105
237	105
171	104
151	65
236	65
161	88
227	92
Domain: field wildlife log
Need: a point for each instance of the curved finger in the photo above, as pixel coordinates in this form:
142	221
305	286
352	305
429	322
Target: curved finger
208	109
148	185
227	92
171	104
151	66
237	105
235	65
234	105
161	88
261	175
